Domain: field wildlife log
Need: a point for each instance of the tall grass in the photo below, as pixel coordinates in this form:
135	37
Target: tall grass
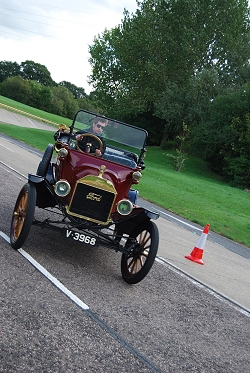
194	193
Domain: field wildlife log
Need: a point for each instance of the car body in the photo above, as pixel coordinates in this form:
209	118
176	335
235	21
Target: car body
93	195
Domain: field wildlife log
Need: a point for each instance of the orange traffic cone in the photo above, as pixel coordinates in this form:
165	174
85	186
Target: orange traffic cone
196	254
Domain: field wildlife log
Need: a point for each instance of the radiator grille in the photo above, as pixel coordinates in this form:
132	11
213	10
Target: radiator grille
91	203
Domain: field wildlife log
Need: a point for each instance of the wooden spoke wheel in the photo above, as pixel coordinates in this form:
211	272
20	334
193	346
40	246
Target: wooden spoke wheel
23	215
136	265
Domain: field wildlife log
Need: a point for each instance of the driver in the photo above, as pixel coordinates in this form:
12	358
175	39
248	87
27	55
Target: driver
98	126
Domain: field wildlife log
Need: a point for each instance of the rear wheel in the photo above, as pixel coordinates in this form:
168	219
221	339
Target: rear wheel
44	164
136	265
23	215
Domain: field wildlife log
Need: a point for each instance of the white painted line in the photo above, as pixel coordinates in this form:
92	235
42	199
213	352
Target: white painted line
160	260
33	124
181	221
13	169
49	276
5	237
4	168
5	147
216	294
19	145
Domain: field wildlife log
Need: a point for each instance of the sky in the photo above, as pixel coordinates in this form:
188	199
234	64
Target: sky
57	35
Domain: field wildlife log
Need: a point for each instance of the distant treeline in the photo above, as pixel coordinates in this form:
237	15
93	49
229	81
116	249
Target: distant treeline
30	83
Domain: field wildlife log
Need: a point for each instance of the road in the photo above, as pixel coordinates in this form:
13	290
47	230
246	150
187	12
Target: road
181	317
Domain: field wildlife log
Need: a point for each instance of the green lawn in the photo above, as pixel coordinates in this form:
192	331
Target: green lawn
194	193
198	195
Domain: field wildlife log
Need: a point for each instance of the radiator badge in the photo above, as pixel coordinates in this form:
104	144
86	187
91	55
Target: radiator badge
94	196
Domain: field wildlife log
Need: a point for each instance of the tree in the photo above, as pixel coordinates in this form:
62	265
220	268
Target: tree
31	70
236	169
78	92
86	104
223	139
41	96
63	102
180	157
164	44
8	69
189	103
17	89
107	76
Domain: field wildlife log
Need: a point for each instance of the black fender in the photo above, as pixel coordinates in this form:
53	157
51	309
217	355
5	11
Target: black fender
45	192
125	224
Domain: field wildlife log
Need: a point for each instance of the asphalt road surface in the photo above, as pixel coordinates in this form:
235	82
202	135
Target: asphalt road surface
65	307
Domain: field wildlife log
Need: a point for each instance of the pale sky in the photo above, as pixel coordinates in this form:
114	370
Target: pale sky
56	33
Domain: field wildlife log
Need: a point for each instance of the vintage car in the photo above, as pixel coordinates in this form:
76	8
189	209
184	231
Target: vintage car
89	184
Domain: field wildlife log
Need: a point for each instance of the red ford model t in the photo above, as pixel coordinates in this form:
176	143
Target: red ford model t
89	185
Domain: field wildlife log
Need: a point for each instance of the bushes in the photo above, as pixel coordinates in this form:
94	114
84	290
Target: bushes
17	89
223	138
30	83
237	172
57	100
63	102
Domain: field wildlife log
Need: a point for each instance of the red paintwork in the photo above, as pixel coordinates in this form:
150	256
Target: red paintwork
78	164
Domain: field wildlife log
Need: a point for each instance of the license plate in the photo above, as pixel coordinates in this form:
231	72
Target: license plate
81	237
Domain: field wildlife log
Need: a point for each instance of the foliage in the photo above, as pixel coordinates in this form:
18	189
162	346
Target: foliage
58	99
236	168
8	69
223	139
17	89
86	104
41	96
168	145
181	152
28	92
31	70
63	102
28	70
163	45
167	63
31	83
187	104
78	92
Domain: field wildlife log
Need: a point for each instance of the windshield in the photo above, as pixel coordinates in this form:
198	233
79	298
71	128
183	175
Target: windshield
114	132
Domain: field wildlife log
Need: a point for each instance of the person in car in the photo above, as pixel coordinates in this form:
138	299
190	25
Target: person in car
97	128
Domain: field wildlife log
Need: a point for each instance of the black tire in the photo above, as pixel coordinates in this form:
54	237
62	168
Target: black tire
136	265
44	164
23	215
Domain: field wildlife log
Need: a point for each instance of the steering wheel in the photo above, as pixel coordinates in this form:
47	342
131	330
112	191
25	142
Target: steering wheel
89	143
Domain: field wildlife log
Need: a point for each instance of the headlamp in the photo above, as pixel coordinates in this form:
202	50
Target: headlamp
62	188
136	175
124	207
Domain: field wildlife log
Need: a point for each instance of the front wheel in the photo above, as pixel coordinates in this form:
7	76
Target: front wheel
136	265
23	215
